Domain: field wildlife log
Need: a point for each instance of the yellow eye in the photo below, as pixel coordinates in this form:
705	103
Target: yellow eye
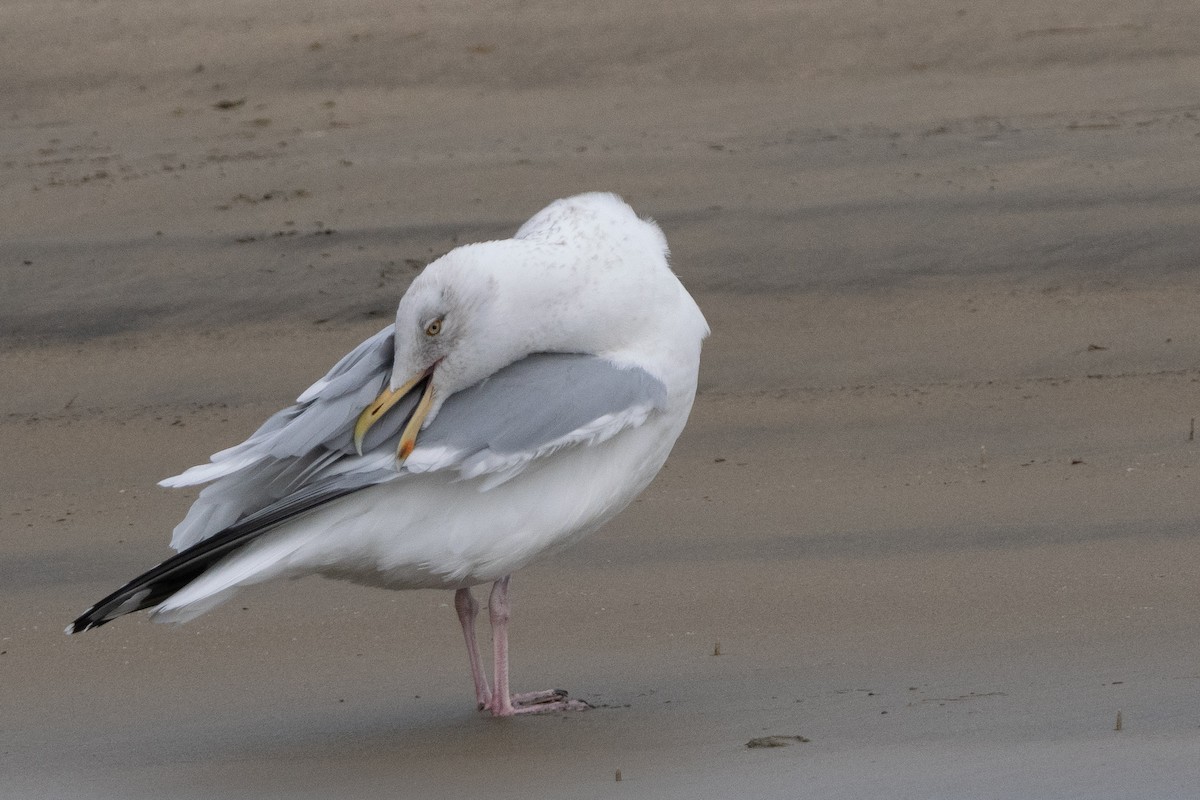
433	328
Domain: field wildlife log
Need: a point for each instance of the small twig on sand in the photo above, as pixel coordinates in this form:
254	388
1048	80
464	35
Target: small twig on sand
1117	727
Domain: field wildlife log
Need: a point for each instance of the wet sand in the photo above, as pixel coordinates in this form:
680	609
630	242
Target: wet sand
936	503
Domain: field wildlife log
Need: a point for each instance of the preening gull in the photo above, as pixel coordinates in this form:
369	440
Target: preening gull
529	389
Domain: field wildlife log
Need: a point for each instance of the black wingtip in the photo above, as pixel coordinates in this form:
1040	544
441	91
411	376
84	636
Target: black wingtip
85	622
156	585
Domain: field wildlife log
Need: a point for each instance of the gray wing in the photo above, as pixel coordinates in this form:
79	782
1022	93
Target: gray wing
532	408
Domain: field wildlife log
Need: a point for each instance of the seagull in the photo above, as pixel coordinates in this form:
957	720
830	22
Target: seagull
529	389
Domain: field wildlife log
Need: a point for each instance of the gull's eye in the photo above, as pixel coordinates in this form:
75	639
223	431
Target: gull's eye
434	328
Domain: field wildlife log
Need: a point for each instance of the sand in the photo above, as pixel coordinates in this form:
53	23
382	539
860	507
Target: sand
935	509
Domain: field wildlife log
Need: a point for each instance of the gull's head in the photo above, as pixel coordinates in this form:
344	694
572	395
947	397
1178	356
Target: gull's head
584	275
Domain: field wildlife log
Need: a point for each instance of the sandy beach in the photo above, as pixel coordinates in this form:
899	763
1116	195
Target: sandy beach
936	507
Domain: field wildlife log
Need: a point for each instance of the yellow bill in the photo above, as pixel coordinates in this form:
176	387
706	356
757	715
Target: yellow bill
388	398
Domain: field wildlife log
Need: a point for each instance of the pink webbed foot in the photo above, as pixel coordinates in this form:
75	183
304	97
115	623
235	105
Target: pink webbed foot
543	702
534	698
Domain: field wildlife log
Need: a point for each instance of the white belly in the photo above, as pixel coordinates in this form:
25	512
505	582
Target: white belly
431	531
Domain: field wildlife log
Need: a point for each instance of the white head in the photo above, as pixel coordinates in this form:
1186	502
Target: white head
580	276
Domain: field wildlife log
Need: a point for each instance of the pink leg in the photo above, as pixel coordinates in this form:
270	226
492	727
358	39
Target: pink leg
503	703
467	608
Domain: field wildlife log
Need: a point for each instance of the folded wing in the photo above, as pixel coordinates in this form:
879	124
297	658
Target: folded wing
532	408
